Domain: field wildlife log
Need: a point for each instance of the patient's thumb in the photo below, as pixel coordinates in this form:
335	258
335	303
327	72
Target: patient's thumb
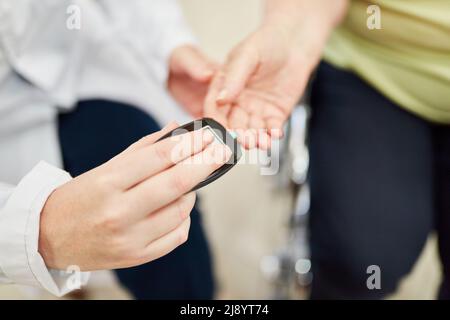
237	72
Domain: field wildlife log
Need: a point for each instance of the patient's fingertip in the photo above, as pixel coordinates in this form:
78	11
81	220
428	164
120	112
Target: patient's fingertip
276	133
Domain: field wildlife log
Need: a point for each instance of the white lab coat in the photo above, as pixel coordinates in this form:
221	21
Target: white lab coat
120	52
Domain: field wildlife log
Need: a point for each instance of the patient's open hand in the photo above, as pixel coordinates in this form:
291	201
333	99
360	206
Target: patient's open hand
259	85
189	78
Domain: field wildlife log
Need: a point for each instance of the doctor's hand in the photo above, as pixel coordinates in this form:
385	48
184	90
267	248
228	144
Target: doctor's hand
132	209
190	73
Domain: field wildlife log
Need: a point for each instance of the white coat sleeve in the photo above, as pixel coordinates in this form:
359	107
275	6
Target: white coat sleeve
153	28
20	209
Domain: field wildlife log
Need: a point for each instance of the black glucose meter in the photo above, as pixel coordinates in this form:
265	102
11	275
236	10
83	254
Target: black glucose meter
221	135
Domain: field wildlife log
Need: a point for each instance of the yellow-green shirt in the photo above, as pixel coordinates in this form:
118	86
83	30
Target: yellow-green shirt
408	59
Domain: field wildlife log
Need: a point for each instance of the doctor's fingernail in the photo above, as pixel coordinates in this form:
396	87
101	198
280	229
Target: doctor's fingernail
222	153
208	137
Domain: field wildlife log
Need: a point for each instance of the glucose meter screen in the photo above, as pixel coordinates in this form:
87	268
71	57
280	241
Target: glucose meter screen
217	135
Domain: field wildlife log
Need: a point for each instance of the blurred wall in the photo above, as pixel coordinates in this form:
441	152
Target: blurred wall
219	24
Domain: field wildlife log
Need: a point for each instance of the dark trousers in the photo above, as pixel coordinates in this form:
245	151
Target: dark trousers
380	183
92	134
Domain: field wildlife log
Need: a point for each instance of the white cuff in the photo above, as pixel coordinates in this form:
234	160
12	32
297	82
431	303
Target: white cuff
20	260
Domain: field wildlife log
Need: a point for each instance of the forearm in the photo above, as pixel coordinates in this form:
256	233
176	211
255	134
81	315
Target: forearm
308	23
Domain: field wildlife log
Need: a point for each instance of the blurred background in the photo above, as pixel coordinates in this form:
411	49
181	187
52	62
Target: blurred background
245	215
